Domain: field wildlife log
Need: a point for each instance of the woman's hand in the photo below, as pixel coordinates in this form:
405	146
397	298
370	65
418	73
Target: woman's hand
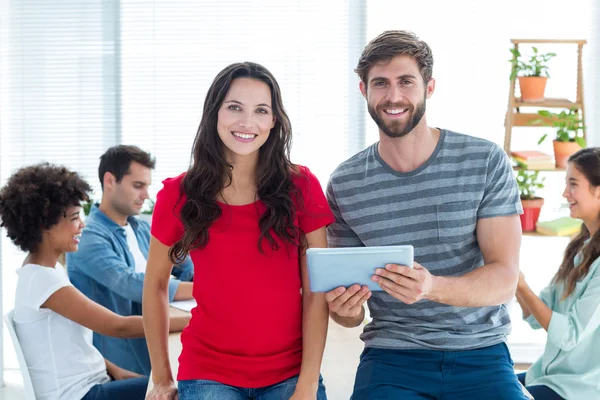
303	396
119	374
305	391
163	392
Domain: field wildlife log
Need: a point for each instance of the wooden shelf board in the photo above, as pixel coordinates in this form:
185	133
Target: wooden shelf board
515	168
535	234
528	119
547	103
558	41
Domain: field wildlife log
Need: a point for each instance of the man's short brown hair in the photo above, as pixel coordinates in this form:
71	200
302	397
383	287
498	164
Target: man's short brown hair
391	44
118	159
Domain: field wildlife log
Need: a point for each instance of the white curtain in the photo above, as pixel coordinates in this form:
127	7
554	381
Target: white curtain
58	64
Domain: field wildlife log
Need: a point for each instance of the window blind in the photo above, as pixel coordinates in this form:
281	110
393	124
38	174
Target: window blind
79	76
172	50
57	97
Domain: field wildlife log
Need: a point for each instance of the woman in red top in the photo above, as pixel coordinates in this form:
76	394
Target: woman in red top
245	214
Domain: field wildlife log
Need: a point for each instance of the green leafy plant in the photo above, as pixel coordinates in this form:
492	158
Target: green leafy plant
568	124
529	182
87	206
148	207
535	65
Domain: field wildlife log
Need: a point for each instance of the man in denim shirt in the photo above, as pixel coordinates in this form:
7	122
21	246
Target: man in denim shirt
110	263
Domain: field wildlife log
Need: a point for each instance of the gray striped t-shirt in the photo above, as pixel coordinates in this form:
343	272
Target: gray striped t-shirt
435	208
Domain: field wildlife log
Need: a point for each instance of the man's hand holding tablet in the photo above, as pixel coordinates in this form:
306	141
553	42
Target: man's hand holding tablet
406	284
348	276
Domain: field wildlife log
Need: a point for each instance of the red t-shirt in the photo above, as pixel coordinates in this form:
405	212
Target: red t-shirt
247	328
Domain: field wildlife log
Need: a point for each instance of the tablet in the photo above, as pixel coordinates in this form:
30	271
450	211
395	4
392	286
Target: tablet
345	266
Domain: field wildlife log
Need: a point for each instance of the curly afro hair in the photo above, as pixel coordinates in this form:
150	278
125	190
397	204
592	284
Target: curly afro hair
35	198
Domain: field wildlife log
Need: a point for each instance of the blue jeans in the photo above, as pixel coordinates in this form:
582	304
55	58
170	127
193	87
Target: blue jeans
211	390
125	389
485	373
539	392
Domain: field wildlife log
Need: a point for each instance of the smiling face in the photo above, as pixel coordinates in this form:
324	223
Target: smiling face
245	118
583	197
64	236
396	95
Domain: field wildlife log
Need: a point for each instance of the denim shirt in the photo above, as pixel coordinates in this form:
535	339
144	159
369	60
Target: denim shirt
104	270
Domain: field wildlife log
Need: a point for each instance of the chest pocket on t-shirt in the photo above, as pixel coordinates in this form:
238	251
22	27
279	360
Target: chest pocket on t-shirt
456	221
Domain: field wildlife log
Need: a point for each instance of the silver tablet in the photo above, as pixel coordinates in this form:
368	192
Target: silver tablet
345	266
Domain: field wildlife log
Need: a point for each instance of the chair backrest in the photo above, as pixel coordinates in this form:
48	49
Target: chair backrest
10	324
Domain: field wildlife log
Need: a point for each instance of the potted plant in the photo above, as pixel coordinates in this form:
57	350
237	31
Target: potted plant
533	73
528	182
86	206
569	134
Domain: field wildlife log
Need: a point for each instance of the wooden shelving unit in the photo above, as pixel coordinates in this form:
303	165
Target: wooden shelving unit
524	113
515	116
535	234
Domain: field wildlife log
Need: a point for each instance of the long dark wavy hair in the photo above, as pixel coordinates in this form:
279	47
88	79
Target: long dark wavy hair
210	172
587	161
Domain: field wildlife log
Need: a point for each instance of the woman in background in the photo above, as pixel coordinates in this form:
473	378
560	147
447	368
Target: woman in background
569	307
245	214
40	210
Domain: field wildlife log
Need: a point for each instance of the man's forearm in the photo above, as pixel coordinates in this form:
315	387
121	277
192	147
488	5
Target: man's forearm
184	271
184	291
489	285
349	322
178	323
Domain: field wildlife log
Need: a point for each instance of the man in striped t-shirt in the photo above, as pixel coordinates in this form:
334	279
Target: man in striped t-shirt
438	330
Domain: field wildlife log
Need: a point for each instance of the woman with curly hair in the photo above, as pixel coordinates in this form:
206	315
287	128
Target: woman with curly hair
245	214
40	210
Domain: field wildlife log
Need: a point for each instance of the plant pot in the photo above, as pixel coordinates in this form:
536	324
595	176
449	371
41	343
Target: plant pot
532	87
531	213
562	152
